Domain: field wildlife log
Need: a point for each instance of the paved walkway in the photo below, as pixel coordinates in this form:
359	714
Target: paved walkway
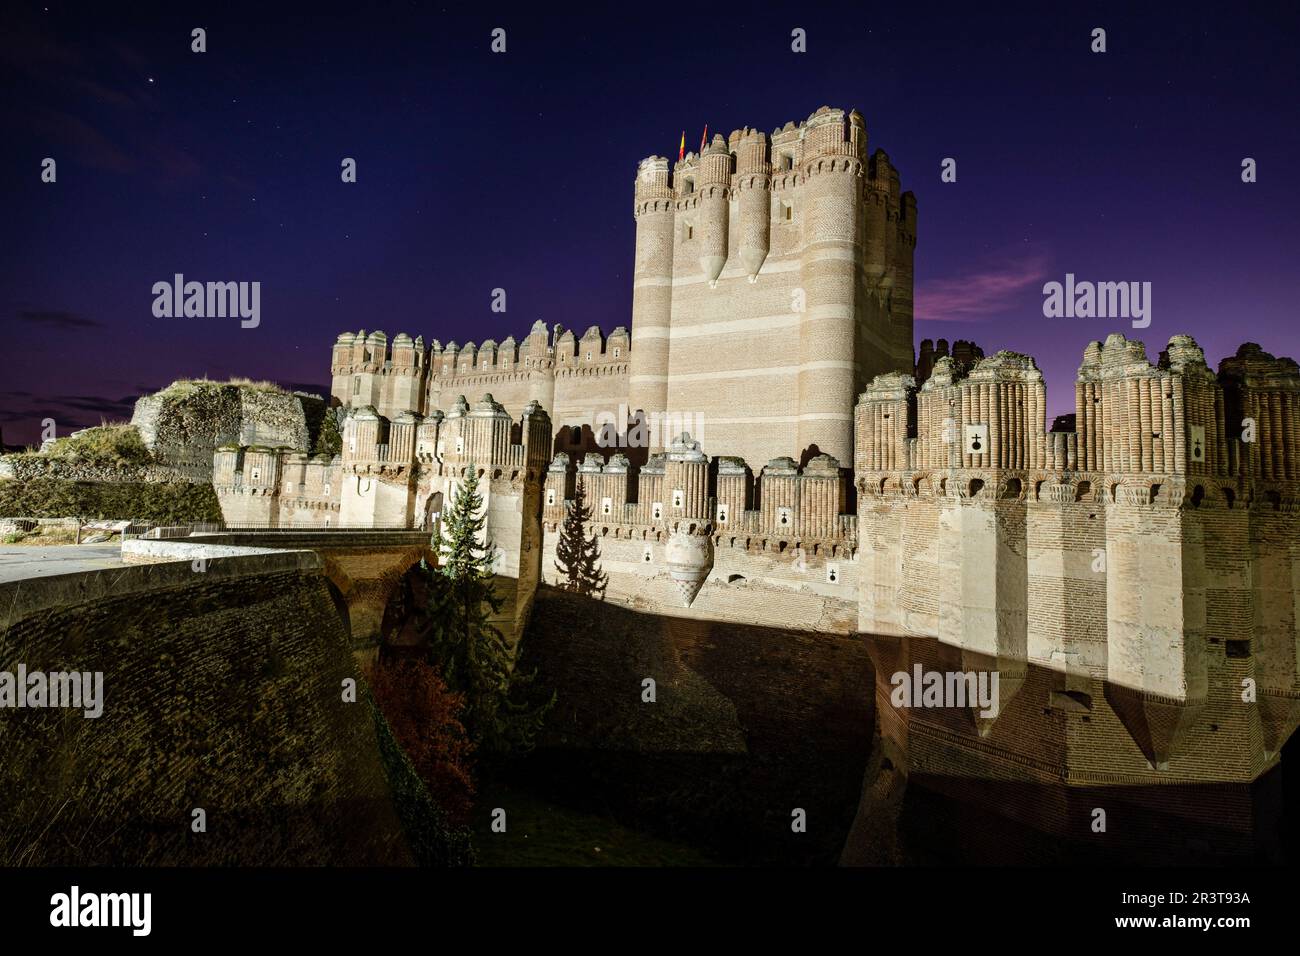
17	562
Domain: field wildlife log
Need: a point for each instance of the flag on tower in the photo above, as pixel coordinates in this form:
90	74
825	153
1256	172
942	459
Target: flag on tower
681	150
704	137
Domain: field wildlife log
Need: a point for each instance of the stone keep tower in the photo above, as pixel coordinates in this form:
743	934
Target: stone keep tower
772	281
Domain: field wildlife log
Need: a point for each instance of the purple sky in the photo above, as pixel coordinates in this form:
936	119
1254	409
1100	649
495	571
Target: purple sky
479	171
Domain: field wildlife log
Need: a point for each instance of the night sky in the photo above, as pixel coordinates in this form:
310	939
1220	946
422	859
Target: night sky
478	170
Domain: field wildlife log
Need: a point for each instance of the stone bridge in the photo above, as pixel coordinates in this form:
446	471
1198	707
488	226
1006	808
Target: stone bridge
363	566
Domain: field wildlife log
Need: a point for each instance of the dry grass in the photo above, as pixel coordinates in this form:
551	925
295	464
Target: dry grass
118	445
45	536
260	385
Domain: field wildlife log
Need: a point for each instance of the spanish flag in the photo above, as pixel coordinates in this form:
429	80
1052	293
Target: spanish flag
681	150
704	137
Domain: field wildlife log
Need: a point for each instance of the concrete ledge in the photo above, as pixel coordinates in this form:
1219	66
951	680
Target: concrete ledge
18	599
151	551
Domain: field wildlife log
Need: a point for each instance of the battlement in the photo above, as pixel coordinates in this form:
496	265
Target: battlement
964	356
1132	417
276	487
794	148
783	508
484	436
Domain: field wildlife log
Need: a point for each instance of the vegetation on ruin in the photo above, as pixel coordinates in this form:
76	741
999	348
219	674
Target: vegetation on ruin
577	557
503	712
184	385
163	503
116	445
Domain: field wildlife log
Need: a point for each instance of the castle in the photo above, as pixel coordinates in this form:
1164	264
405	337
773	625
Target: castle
772	281
1145	551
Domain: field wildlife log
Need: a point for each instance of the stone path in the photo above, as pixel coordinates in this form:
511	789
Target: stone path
17	562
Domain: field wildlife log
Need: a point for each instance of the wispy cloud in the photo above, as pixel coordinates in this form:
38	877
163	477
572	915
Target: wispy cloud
979	294
26	411
58	319
115	407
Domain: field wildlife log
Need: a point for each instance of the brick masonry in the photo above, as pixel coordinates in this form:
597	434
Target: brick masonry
222	690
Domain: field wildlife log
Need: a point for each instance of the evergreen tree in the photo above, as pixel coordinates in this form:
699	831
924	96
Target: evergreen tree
329	440
576	555
475	658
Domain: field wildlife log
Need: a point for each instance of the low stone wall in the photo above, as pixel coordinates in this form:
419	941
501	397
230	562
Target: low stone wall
222	690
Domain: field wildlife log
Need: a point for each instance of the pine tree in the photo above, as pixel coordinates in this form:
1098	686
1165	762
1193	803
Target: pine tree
475	658
576	555
329	440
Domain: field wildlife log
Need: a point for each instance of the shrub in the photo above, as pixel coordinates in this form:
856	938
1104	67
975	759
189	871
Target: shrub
433	840
113	446
424	717
155	503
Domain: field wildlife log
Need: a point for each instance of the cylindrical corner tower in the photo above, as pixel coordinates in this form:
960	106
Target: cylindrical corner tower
753	189
714	188
652	289
832	250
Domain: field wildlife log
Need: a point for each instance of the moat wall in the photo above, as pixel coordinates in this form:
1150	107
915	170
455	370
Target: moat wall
222	691
749	723
1058	778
